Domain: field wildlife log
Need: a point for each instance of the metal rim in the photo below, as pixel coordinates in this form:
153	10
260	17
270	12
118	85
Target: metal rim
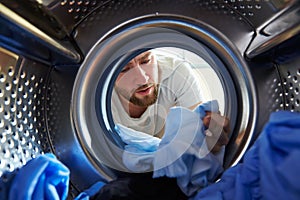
103	62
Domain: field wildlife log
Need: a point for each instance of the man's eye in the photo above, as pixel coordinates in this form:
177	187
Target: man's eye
145	61
125	69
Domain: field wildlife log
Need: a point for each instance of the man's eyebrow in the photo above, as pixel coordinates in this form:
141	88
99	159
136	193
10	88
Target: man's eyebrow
145	56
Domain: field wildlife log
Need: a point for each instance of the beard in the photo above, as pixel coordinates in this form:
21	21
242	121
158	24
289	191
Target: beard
147	100
143	102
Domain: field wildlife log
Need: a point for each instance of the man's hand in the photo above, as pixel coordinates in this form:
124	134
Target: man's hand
217	133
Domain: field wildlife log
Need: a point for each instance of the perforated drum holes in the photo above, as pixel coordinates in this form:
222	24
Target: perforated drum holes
80	8
21	123
290	76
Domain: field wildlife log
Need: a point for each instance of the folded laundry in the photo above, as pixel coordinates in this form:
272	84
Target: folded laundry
270	168
43	177
181	153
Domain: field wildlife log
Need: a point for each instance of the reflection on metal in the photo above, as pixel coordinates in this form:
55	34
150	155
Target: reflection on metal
57	46
285	26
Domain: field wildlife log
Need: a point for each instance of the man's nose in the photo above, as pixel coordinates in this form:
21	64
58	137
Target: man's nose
139	75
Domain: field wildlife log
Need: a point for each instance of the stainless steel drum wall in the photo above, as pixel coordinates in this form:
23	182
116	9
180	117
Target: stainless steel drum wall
73	12
290	73
23	133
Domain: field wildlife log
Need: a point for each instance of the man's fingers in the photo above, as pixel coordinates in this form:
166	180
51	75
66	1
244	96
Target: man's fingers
218	129
206	119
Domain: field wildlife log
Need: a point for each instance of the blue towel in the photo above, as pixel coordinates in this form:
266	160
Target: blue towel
43	177
139	149
181	153
270	168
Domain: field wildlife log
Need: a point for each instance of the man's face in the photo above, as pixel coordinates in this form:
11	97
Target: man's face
138	80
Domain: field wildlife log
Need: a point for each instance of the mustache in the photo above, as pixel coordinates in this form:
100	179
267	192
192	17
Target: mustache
145	86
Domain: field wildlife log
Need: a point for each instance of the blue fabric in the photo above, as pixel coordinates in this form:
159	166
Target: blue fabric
139	149
181	153
139	140
43	177
270	168
91	191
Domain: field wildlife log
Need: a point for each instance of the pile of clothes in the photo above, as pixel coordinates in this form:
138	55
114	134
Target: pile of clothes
270	168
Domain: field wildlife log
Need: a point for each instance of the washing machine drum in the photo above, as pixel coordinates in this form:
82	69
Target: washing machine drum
57	94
